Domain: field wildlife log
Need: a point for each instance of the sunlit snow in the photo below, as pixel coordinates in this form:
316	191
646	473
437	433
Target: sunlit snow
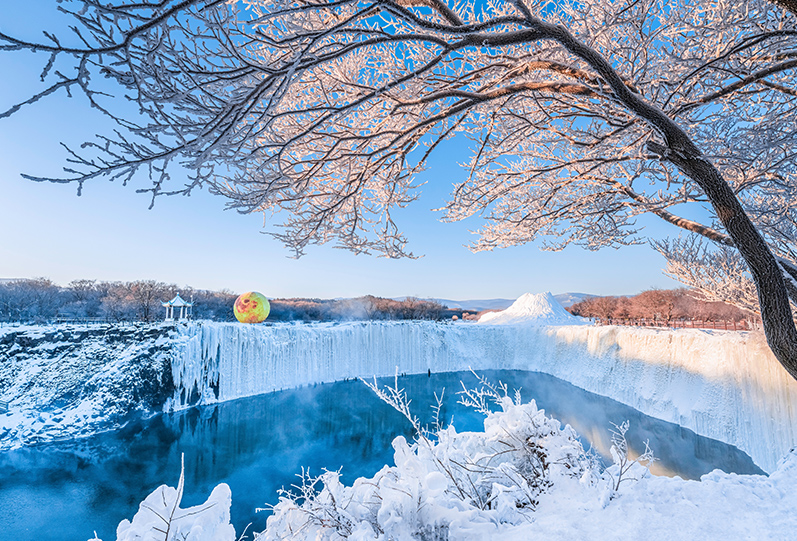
539	309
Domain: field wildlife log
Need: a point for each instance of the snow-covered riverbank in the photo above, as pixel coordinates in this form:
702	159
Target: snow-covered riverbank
66	381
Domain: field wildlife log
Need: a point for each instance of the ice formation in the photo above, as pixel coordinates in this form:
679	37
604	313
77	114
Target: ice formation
723	385
524	477
531	309
66	381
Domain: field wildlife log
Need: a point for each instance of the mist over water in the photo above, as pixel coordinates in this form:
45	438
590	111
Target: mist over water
257	445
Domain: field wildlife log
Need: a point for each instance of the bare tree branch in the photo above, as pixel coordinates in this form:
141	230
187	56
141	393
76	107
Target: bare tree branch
583	117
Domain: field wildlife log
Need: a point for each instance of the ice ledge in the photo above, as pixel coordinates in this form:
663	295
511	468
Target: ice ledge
723	385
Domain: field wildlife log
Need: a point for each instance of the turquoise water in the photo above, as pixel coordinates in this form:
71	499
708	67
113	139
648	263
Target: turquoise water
257	445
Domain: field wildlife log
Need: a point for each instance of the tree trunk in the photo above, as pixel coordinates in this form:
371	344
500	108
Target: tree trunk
767	274
679	150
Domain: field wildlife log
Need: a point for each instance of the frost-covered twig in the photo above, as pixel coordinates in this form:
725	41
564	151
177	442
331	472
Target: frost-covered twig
625	465
479	398
397	399
321	506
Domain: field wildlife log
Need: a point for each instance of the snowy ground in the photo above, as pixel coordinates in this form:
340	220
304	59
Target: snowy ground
67	381
719	507
523	478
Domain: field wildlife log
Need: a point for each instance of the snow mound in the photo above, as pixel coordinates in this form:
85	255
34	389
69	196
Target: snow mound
161	513
539	309
523	478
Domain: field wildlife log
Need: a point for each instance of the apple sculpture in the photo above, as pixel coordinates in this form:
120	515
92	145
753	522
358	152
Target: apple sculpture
251	307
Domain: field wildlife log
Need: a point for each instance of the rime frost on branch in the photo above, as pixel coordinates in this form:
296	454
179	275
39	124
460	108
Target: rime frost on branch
582	115
327	110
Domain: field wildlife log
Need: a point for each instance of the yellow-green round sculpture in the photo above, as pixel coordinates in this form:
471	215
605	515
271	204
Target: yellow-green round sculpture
251	307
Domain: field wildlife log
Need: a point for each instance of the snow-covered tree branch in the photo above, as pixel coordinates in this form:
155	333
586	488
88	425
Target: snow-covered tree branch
582	116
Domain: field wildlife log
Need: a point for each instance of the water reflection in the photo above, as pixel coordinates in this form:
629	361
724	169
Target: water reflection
257	445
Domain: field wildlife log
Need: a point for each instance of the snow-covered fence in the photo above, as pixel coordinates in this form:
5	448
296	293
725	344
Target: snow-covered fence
722	325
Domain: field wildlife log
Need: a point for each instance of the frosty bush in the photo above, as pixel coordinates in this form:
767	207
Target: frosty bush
626	468
445	484
160	517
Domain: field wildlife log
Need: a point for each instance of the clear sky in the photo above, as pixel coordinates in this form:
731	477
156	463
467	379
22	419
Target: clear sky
109	234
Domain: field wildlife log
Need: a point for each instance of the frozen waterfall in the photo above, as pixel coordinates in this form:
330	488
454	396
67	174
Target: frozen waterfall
723	385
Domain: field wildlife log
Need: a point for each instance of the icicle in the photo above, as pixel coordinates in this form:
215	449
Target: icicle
726	386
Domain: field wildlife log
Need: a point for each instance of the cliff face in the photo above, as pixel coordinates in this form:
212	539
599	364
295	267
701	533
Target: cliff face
724	385
65	381
68	381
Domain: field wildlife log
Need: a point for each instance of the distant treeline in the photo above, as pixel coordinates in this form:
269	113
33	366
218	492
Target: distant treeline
368	307
40	300
665	305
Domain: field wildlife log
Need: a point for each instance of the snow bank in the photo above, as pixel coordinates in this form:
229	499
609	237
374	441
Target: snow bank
524	477
719	506
160	517
723	385
161	512
66	381
530	309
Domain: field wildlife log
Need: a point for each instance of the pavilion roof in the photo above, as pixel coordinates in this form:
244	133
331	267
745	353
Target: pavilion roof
177	301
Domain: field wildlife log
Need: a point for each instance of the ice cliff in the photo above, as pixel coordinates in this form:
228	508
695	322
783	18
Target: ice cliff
66	381
723	385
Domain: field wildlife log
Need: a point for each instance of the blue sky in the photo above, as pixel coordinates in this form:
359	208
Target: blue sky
109	234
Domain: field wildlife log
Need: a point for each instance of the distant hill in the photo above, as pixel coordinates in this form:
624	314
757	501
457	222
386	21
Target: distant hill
569	299
477	305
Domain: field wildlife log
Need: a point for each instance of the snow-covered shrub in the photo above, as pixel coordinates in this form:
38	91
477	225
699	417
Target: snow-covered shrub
160	517
445	484
625	467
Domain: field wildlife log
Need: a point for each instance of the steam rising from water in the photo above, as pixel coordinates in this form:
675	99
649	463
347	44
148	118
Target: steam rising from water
258	445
